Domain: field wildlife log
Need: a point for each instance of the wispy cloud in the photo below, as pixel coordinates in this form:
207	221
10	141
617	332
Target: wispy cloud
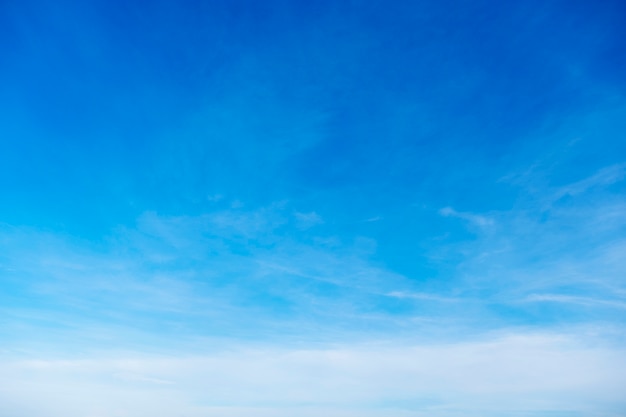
544	261
227	269
268	271
473	219
604	177
577	300
308	220
422	296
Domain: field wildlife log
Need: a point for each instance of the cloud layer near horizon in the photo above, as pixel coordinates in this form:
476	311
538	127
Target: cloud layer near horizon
524	374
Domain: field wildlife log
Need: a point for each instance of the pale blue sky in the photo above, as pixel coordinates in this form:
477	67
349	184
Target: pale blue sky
342	208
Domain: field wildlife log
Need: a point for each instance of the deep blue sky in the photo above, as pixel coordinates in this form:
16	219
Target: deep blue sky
315	174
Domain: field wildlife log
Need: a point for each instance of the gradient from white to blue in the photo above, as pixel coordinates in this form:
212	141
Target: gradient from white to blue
327	208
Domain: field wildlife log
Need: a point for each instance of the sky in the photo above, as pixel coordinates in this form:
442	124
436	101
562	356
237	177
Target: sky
332	208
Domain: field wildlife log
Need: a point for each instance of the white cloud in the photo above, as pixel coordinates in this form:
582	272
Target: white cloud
523	374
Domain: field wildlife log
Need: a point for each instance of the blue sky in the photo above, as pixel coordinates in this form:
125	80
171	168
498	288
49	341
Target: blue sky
341	208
